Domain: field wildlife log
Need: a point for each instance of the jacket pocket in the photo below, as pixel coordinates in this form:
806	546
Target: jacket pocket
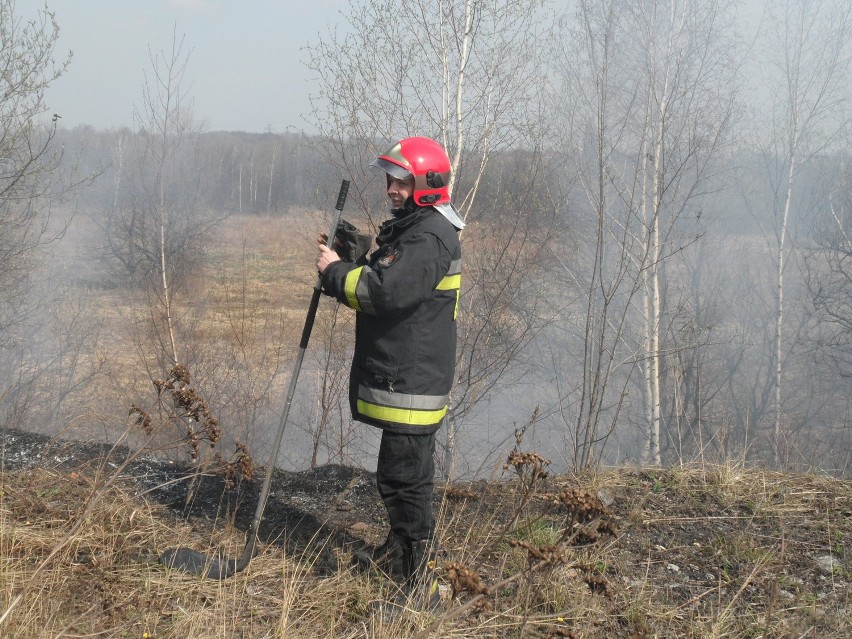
382	374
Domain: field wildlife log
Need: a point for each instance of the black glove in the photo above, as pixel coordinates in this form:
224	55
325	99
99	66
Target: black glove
351	245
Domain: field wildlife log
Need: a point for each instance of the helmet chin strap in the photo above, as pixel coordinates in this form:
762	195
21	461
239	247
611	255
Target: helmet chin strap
407	207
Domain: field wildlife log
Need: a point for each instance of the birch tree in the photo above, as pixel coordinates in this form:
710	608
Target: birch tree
809	46
154	218
590	72
167	133
656	83
691	83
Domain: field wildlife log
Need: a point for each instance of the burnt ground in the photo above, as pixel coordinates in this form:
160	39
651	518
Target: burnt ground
305	510
763	554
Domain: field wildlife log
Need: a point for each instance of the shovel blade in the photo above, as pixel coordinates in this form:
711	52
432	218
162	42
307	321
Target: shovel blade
197	563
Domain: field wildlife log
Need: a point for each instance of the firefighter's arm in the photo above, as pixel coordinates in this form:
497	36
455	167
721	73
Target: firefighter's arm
396	282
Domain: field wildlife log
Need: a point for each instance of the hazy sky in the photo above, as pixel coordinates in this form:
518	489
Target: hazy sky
245	69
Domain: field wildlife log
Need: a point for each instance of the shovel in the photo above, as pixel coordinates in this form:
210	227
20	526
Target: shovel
218	566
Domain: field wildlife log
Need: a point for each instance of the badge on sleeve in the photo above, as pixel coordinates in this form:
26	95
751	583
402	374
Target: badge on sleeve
391	258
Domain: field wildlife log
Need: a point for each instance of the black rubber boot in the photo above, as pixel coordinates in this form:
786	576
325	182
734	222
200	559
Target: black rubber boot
386	559
421	580
419	591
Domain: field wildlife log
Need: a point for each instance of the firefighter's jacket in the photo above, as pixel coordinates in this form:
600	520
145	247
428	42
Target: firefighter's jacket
406	299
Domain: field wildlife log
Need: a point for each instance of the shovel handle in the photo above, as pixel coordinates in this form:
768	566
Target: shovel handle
341	200
315	298
248	550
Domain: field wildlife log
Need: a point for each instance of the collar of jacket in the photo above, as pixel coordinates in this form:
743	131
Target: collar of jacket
403	219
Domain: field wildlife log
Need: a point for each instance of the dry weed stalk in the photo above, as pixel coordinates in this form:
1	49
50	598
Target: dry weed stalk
239	467
463	579
587	518
201	425
143	418
530	467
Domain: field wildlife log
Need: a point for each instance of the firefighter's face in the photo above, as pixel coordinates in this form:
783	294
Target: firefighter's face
400	190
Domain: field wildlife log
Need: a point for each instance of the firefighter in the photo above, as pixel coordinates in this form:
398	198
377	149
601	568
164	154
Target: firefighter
405	296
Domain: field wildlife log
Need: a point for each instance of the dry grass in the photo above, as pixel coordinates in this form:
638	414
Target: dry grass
700	552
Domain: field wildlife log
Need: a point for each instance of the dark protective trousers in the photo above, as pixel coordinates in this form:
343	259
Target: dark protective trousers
405	476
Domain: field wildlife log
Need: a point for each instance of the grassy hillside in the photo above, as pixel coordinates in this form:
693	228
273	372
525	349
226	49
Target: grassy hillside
686	552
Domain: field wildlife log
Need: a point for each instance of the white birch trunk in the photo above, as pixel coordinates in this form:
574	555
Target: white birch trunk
779	309
654	261
269	192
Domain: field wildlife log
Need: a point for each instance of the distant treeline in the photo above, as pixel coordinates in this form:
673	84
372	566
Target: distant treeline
233	172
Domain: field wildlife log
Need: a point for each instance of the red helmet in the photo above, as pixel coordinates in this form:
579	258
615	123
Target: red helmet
427	161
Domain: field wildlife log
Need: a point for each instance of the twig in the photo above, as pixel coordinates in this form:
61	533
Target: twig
172	481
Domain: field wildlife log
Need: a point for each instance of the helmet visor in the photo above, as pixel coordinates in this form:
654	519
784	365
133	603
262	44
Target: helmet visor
394	170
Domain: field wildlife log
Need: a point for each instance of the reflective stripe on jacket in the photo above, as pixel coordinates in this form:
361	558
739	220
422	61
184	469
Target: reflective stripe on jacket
406	298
